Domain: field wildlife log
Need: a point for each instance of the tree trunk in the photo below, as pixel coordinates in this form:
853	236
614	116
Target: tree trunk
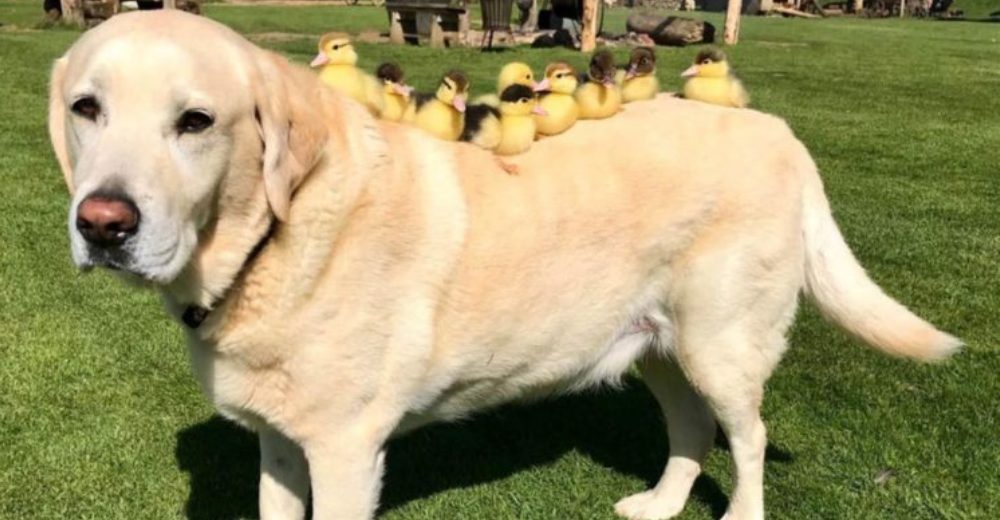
72	12
588	36
732	34
857	6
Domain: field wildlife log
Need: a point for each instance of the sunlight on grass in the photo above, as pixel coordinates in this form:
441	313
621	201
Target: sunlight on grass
101	418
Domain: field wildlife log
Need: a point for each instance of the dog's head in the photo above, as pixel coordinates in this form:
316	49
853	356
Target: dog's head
165	124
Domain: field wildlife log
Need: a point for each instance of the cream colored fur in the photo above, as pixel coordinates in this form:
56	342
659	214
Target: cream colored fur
410	280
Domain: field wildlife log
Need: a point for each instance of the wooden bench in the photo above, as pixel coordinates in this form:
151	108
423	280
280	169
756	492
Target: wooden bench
441	21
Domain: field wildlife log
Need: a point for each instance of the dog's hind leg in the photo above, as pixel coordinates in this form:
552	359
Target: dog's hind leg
691	428
730	336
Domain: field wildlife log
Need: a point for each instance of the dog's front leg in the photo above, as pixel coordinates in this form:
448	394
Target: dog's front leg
284	477
346	473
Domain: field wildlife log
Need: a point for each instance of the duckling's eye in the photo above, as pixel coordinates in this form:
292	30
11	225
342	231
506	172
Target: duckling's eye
194	121
706	62
447	86
87	108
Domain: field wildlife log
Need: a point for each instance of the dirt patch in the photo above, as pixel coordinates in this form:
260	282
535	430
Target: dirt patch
245	3
279	37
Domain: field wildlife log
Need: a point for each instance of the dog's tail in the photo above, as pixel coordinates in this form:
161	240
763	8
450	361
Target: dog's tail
844	293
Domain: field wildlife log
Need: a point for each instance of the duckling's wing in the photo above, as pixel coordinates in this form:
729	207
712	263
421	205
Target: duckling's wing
421	98
738	95
620	77
373	93
482	126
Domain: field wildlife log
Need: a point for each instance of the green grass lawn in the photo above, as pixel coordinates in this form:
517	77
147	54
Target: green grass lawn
100	417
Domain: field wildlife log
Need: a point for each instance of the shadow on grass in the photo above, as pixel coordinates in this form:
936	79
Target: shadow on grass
620	430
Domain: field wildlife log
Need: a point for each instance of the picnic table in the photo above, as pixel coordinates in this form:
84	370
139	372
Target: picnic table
442	21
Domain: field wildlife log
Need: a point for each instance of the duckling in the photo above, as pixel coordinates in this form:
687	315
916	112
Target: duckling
518	106
712	81
338	59
557	100
395	93
599	97
638	81
442	114
509	129
514	73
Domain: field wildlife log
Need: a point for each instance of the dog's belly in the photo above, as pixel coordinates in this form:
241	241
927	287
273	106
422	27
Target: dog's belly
569	364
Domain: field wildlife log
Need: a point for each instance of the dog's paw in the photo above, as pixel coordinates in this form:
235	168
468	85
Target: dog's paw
647	506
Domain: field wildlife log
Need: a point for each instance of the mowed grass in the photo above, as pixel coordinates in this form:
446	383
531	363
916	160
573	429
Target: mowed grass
100	417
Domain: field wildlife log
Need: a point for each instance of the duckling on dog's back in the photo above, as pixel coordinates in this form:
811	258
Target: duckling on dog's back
711	80
599	96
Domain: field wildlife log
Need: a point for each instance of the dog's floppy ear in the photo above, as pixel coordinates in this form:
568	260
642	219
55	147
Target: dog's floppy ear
292	126
57	120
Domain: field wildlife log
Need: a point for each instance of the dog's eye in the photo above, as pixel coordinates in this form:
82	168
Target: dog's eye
86	107
194	121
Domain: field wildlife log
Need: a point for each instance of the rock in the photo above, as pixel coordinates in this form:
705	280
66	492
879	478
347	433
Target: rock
671	30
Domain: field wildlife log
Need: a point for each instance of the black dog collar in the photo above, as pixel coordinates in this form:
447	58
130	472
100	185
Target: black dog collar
195	315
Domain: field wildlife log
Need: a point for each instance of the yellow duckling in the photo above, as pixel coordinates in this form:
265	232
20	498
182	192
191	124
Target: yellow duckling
639	81
395	93
557	100
514	73
599	97
518	106
712	81
442	114
337	58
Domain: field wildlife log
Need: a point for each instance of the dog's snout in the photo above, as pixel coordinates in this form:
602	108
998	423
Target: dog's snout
107	220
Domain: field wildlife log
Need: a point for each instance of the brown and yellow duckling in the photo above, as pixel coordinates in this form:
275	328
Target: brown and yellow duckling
442	114
557	100
638	80
395	92
599	97
508	129
711	80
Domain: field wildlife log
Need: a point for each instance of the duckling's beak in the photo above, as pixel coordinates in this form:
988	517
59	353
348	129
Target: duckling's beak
539	111
320	60
402	90
543	86
631	72
459	103
690	71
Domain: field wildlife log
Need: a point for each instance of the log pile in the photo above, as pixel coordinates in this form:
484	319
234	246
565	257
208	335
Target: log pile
673	31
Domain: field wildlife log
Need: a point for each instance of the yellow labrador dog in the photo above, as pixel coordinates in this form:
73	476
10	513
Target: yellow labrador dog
343	280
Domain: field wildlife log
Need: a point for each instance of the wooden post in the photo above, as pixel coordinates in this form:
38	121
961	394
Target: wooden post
902	8
72	12
170	4
857	6
396	28
530	24
588	36
463	27
732	34
437	32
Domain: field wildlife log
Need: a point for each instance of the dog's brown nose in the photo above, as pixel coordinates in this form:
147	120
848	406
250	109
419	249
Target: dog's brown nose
107	220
